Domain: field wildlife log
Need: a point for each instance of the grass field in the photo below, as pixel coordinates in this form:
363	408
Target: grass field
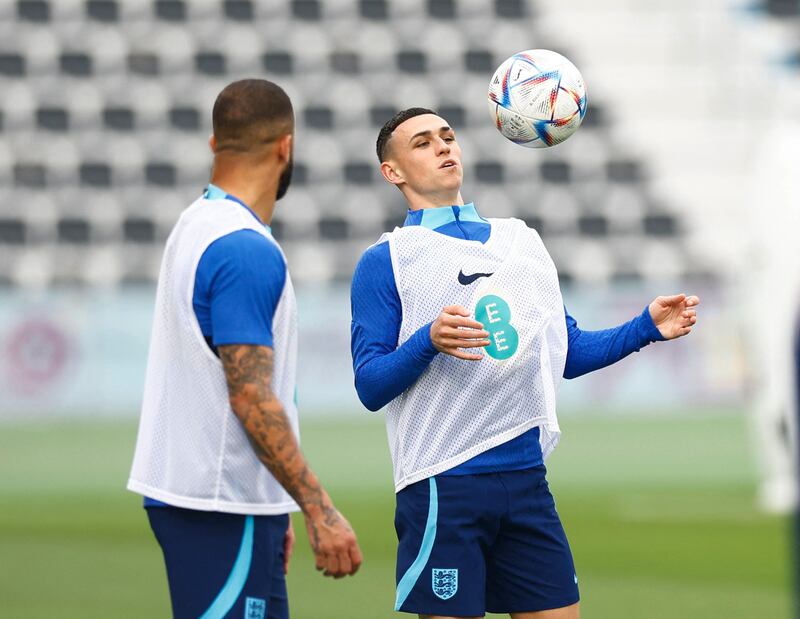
659	513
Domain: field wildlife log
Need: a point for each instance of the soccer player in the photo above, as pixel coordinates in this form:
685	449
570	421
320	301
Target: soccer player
217	456
459	328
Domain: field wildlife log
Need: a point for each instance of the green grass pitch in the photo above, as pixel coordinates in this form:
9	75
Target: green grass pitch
659	512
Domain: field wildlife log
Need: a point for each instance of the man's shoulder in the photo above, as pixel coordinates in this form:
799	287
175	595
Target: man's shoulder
242	252
376	254
374	267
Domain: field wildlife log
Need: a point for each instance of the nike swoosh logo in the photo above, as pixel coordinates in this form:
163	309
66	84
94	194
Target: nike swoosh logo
466	280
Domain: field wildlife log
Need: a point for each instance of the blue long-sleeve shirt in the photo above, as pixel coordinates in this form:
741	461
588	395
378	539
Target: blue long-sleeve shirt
384	370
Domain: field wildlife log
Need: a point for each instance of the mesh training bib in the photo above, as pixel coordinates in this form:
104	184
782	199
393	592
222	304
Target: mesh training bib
191	450
457	408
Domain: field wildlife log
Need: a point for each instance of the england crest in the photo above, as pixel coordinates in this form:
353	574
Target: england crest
445	583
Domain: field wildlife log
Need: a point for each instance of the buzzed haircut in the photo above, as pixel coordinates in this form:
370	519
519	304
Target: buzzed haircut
251	113
395	121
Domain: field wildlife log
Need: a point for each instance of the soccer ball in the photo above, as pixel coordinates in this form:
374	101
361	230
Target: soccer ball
537	98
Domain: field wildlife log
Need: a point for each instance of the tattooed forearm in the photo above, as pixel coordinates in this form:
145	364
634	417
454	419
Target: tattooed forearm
248	370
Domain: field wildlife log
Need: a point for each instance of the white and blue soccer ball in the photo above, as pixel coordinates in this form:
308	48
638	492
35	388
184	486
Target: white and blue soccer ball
537	98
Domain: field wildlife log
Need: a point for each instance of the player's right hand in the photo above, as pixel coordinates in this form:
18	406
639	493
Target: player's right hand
454	329
334	543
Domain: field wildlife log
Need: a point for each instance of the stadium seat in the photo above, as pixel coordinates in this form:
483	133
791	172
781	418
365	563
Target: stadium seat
160	173
106	11
623	171
479	61
278	62
510	9
118	118
72	229
346	62
210	63
555	171
308	10
33	175
359	173
660	225
33	10
379	114
374	9
96	174
318	117
239	10
783	8
77	64
185	118
12	64
454	113
411	61
299	173
143	63
442	9
170	10
593	225
139	230
489	172
52	119
333	227
12	231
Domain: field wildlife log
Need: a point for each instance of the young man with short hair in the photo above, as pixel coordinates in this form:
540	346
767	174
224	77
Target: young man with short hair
460	330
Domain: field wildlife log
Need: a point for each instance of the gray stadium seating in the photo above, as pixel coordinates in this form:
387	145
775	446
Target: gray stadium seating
106	114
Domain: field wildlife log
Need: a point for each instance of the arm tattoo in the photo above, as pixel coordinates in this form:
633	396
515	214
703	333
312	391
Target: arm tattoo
248	371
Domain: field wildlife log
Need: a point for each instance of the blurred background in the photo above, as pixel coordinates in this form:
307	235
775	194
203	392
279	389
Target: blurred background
675	472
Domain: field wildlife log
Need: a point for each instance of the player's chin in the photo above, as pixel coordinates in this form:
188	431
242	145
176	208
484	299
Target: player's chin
450	178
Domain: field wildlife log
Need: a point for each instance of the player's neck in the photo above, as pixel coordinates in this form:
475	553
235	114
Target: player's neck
250	187
417	202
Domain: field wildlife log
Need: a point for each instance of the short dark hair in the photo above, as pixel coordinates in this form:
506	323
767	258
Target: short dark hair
395	121
250	113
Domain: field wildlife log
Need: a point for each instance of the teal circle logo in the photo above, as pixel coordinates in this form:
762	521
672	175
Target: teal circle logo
495	315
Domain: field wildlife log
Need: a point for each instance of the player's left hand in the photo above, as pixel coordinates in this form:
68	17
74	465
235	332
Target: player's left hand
674	316
288	547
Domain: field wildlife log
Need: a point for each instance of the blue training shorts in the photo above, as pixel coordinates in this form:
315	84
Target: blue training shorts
222	565
471	544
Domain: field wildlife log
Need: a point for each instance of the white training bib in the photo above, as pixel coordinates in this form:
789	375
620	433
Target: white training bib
458	409
191	449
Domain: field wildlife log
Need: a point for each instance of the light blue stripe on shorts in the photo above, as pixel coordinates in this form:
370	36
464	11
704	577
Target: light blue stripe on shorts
232	589
411	576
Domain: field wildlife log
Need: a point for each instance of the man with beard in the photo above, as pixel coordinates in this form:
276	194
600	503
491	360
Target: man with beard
217	457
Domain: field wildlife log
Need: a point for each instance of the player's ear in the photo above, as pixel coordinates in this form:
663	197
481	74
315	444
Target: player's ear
391	173
212	143
284	147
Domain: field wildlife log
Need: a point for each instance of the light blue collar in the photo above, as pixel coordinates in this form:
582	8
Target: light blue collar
217	193
433	218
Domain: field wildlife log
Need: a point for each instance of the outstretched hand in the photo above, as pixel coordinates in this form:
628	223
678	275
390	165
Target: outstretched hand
674	316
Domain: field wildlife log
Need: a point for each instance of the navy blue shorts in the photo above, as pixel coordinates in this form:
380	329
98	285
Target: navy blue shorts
472	544
222	565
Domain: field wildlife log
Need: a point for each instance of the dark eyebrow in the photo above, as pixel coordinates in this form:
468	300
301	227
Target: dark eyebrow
427	133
